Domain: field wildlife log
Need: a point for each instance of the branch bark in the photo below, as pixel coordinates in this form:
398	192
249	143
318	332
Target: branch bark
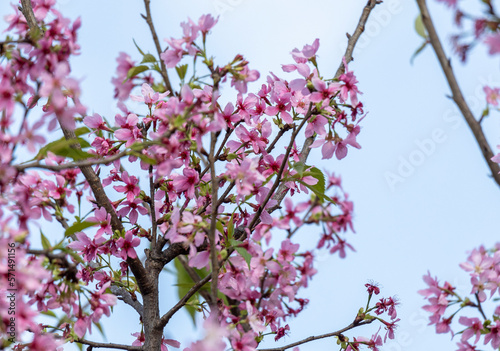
457	96
149	20
312	338
93	344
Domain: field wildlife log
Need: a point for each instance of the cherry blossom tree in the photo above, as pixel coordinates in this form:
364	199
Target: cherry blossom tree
212	189
473	320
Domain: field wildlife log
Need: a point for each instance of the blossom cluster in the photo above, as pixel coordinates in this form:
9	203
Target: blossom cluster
484	270
190	167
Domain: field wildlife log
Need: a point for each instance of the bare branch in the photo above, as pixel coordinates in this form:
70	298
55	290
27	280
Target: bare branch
27	11
149	20
213	221
78	164
166	317
312	338
353	39
458	98
126	297
92	344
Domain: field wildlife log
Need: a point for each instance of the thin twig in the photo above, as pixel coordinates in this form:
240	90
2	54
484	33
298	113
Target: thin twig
166	317
445	63
353	39
312	338
126	297
108	345
149	20
77	164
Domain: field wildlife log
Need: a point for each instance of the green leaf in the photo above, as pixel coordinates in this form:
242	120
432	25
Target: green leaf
138	48
78	227
419	27
320	186
45	242
148	58
181	71
81	131
63	147
300	167
136	70
49	313
99	326
419	50
241	250
145	158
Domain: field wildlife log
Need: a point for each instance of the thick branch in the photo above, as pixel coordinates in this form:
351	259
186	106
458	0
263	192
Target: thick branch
95	183
27	11
102	200
149	20
445	63
92	344
312	338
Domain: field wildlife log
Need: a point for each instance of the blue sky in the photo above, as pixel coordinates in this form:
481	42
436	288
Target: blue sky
443	203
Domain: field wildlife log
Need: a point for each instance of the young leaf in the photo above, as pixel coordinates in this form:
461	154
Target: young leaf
45	242
419	27
241	250
419	50
148	58
181	71
138	48
136	70
78	227
320	186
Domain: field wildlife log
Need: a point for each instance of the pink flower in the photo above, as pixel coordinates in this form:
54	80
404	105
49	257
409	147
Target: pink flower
186	182
206	22
89	248
95	122
123	86
103	218
493	41
493	335
131	189
149	96
474	328
243	77
127	245
307	52
492	95
130	208
449	3
129	130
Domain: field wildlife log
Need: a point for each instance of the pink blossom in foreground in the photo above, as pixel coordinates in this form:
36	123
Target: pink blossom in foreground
127	245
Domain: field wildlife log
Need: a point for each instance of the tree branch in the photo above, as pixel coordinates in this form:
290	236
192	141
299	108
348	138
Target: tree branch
166	317
27	11
353	39
77	164
126	297
458	98
92	344
149	20
312	338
